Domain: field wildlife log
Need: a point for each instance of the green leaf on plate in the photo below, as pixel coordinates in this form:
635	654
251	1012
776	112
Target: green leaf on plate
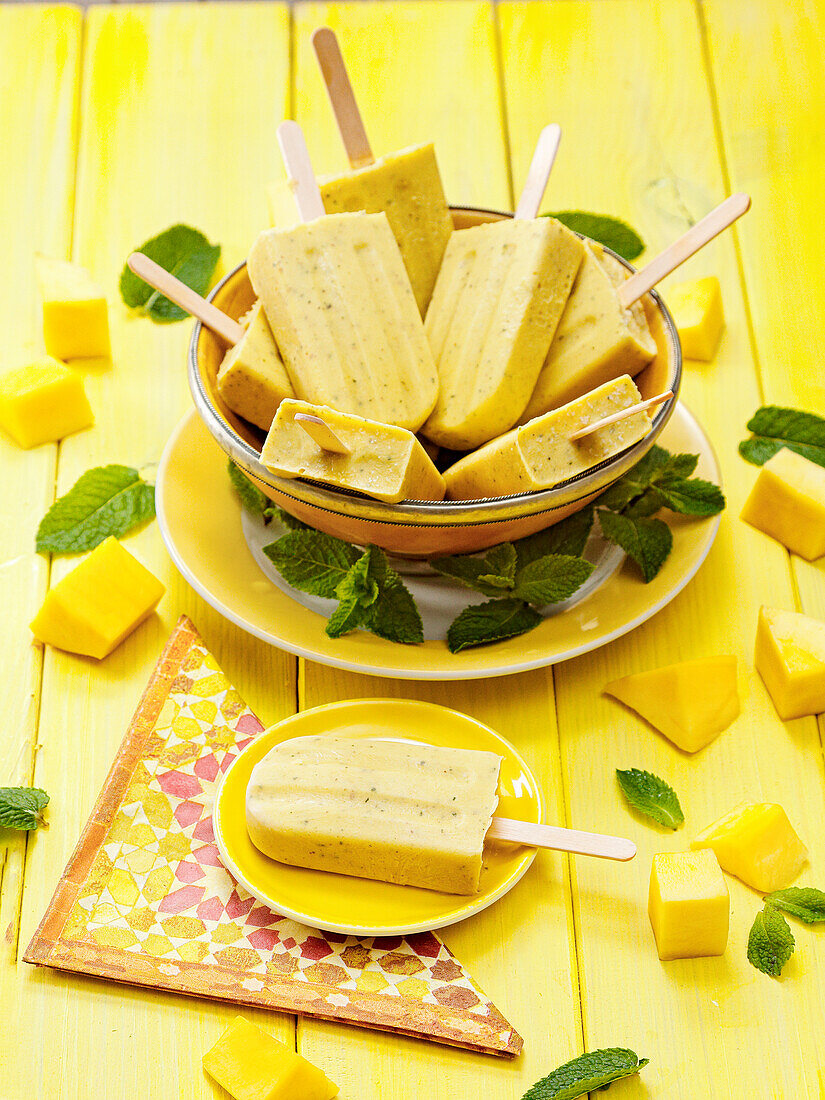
312	561
493	621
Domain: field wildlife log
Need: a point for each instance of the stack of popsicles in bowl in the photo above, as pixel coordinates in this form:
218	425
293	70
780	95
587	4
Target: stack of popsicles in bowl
431	381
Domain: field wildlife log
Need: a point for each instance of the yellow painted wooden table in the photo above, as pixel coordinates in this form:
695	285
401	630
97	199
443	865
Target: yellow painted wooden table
121	121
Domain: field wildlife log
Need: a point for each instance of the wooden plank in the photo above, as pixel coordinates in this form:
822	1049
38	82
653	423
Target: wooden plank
711	1027
521	950
39	79
178	110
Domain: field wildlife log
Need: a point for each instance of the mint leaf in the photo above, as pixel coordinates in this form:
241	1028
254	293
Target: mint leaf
651	796
252	498
488	622
616	234
551	579
635	481
597	1069
285	519
691	497
647	541
357	585
502	563
569	536
775	427
394	614
22	807
476	573
312	561
347	616
770	943
803	902
185	253
107	500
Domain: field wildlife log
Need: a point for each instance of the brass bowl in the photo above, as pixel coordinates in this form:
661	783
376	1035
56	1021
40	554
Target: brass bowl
428	528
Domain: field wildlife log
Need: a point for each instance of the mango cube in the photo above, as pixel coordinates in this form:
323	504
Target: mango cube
690	702
790	658
99	603
697	311
787	502
43	401
688	905
758	844
252	1065
75	314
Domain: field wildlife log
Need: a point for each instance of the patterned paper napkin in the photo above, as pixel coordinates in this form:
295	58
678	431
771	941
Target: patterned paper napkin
146	900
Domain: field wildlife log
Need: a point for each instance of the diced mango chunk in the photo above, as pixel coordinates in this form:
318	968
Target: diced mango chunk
757	843
690	702
253	1065
688	905
93	608
697	310
75	314
787	502
790	658
43	401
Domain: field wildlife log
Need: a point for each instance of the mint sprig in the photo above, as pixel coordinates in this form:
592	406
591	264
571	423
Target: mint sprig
187	254
803	902
107	500
771	942
312	561
608	231
773	427
651	796
647	541
493	621
597	1069
22	807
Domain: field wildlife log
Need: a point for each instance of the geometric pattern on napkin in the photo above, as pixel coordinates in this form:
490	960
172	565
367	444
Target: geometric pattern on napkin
145	898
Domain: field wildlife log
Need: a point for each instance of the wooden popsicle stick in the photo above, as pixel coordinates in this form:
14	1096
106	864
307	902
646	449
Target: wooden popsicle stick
561	840
320	432
622	414
183	296
301	177
342	98
540	167
724	215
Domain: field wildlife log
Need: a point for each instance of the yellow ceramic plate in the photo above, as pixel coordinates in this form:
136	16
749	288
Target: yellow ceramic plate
200	519
363	907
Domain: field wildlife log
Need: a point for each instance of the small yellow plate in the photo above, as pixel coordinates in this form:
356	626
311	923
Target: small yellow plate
365	907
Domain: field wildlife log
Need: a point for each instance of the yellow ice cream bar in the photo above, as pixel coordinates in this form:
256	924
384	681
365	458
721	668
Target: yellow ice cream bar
499	295
596	340
252	379
340	306
253	1065
541	454
401	812
384	462
75	313
407	187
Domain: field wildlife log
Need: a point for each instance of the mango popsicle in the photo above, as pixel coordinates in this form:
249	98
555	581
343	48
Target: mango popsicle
397	811
384	462
597	338
406	185
252	378
540	454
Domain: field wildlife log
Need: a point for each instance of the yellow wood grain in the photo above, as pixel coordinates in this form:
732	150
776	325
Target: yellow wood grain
178	107
640	143
39	73
521	950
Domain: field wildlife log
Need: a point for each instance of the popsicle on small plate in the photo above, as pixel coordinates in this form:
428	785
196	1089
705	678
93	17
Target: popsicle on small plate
384	462
406	185
500	293
252	379
338	299
541	454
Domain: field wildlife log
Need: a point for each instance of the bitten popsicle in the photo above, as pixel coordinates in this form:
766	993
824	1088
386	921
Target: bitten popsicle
400	811
499	296
541	454
382	461
340	305
406	185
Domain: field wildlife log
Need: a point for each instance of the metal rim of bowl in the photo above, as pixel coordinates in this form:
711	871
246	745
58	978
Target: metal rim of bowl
442	512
